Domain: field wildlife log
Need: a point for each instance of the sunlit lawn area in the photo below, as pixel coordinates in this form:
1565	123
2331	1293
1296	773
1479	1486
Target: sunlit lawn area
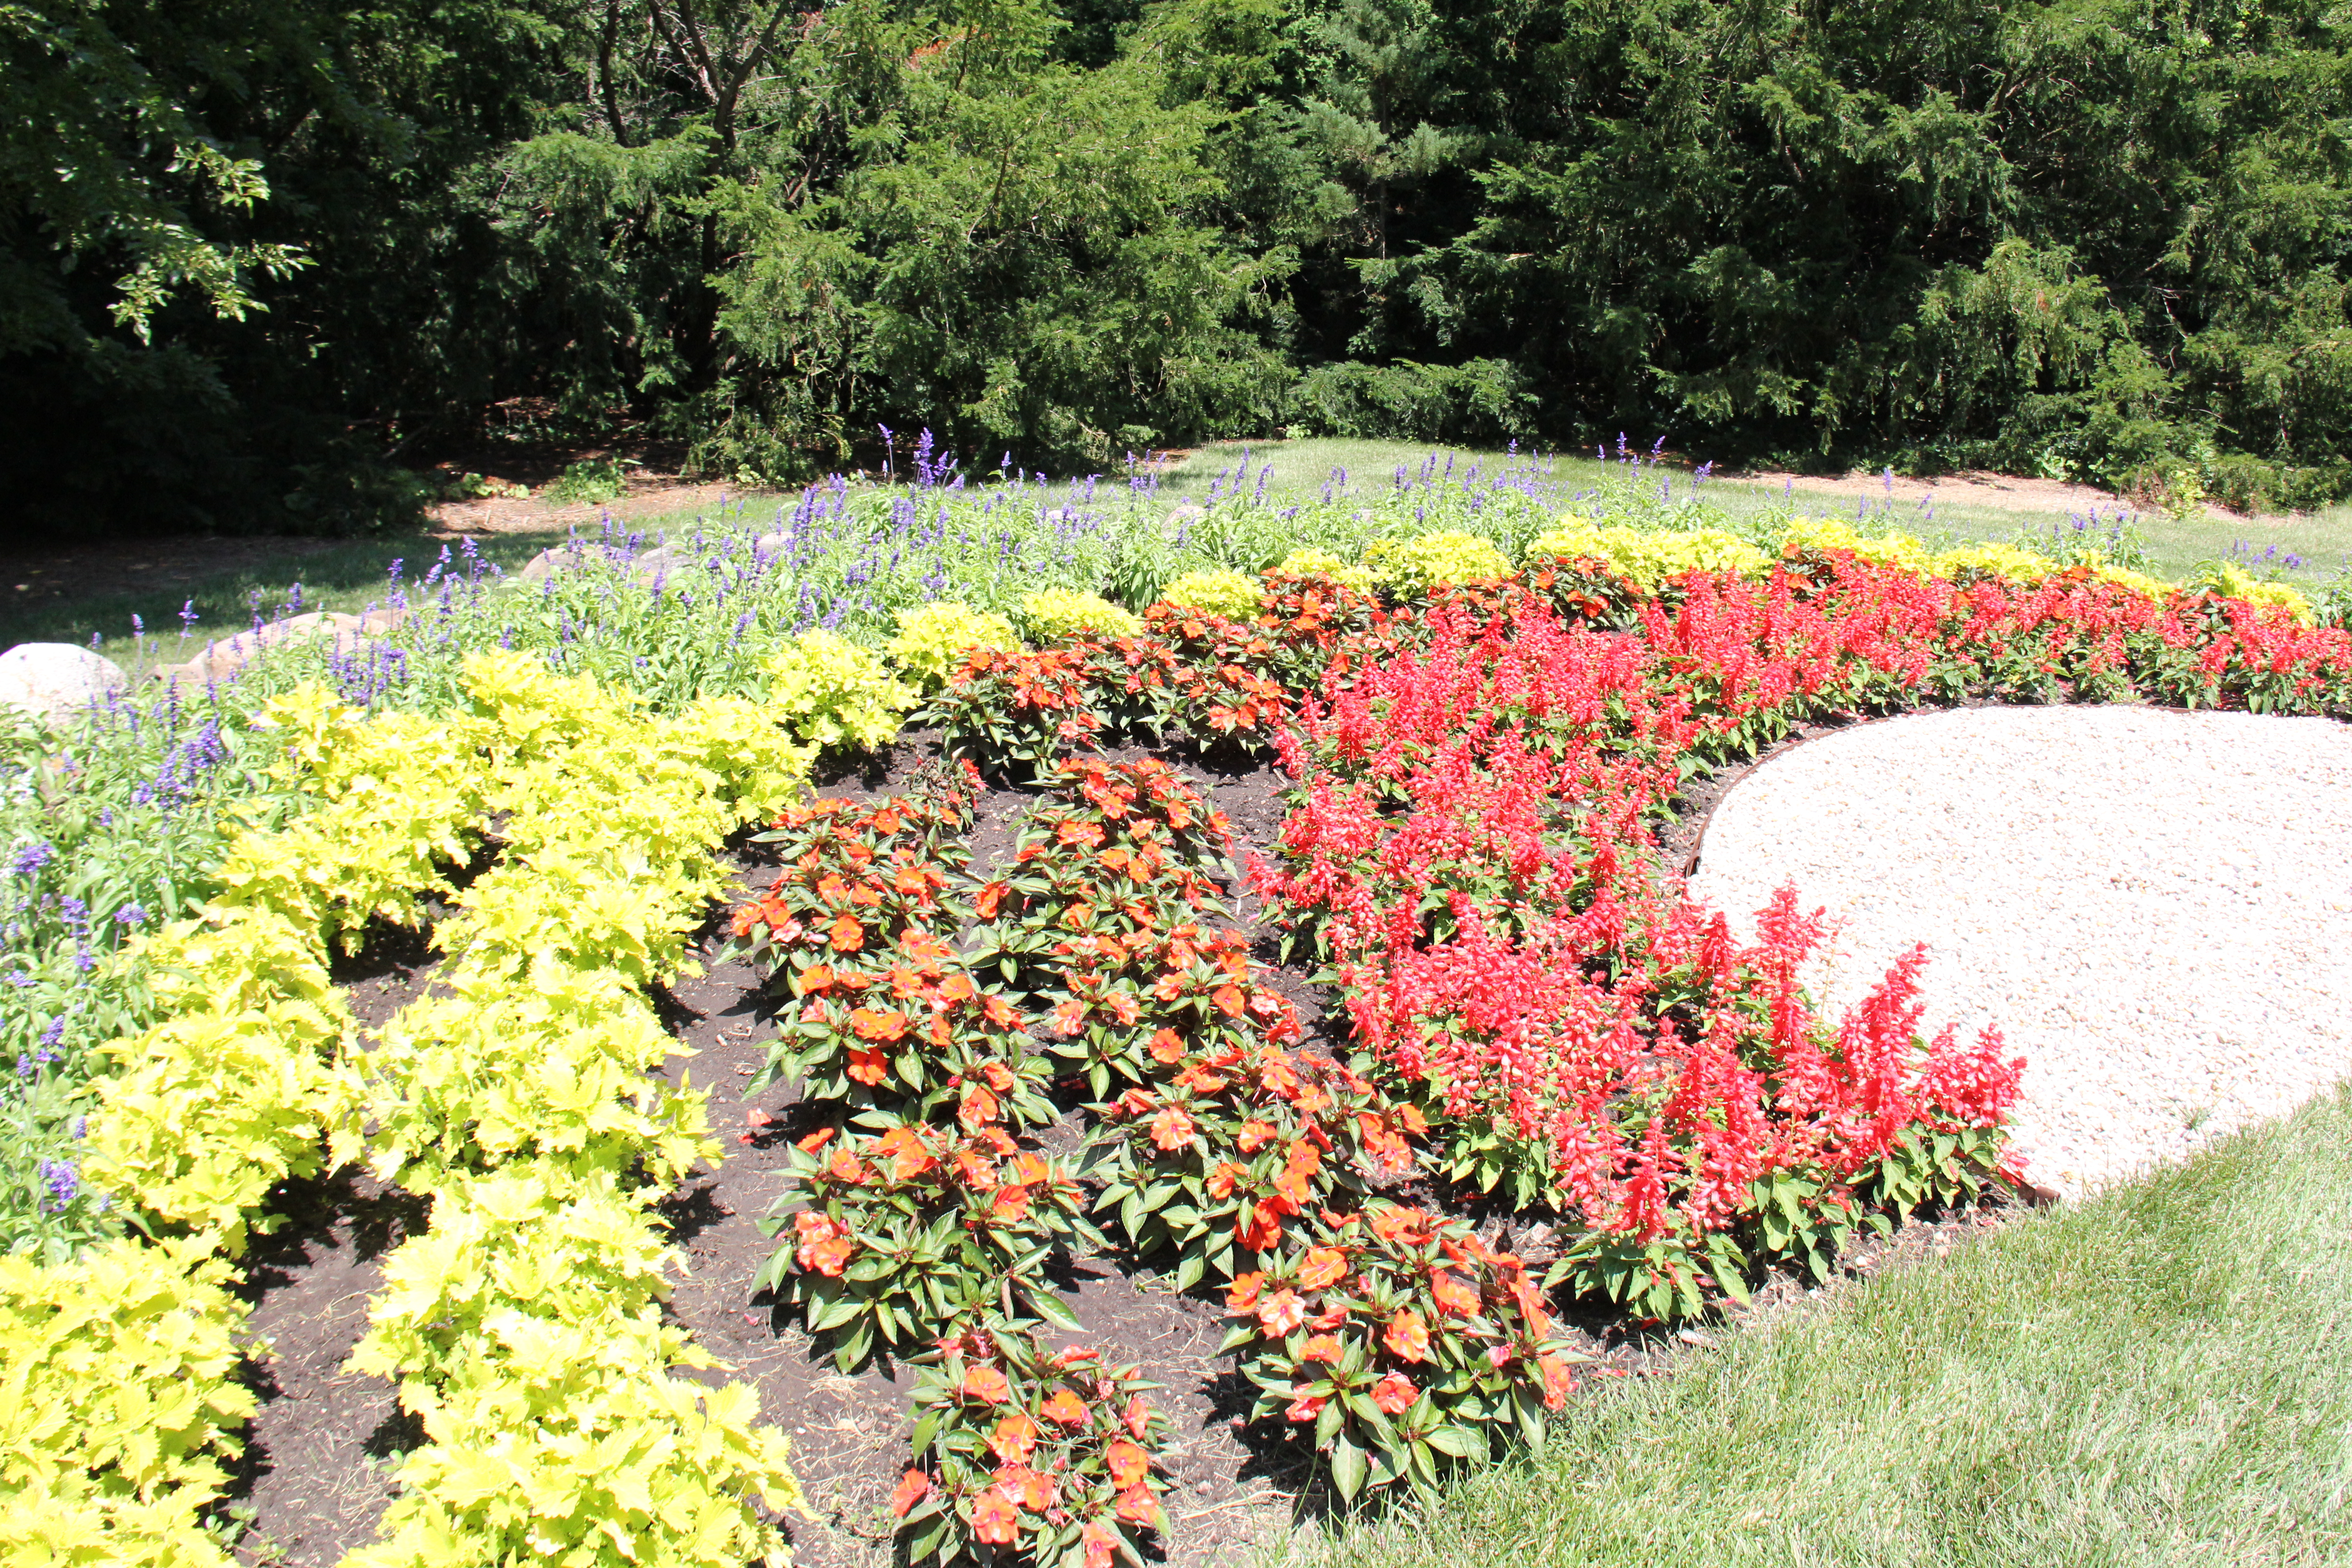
2161	1375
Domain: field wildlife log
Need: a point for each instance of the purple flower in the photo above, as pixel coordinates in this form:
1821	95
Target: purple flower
30	857
62	1182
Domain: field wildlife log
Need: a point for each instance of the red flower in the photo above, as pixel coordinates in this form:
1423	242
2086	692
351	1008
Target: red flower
1137	1506
1453	1295
1306	1408
913	1486
817	1140
1129	1463
1559	1382
986	901
1396	1393
868	1066
1230	1001
1025	1487
1255	1135
1139	1416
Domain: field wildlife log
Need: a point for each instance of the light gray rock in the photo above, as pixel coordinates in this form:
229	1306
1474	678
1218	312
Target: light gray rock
48	678
225	657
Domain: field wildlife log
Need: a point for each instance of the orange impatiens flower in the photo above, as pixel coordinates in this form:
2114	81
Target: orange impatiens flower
1010	1205
1279	1313
1396	1393
1139	1416
1453	1294
1015	1439
1032	1492
1255	1135
1323	1266
913	1488
987	1384
1064	1409
1172	1130
1129	1463
1100	1543
1167	1047
870	1024
1137	1506
846	935
1408	1336
1323	1348
995	1518
985	901
867	1065
1559	1382
907	1153
1241	1296
999	1012
1230	1001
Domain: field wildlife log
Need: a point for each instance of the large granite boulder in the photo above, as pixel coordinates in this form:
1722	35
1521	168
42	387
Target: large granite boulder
47	678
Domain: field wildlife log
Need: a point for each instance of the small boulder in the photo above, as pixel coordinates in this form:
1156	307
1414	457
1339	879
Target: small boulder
47	678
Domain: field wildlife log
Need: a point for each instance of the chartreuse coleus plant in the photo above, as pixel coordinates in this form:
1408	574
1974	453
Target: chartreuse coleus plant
603	1455
118	1403
1399	1341
933	639
834	693
1022	1457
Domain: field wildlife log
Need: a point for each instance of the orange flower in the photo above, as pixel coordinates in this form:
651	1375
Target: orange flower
847	1167
1070	1016
1281	1312
976	1170
1410	1119
1099	1544
1323	1266
1258	1228
904	1148
1306	1408
871	1024
1399	1224
817	977
1322	1347
987	1384
1167	1049
1010	1205
1453	1295
1408	1336
1230	1001
867	1066
984	903
1064	1409
828	1257
1559	1382
913	1488
817	1140
846	935
999	1012
1241	1296
1032	1492
994	1518
1029	1168
1396	1393
1255	1135
1128	1463
997	1076
1134	1102
1222	1179
1137	1506
1172	1130
1015	1439
1139	1416
980	1107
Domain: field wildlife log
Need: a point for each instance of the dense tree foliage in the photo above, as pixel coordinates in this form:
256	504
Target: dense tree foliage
252	256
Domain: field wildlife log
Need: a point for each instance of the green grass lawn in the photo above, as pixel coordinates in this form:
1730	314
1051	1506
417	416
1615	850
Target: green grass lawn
2160	1376
2323	540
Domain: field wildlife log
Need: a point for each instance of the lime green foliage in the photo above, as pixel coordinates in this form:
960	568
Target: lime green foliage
1313	562
1804	536
118	1404
1644	556
2155	1377
2139	582
933	638
831	692
525	1328
1434	560
1059	613
1233	594
2233	582
1971	561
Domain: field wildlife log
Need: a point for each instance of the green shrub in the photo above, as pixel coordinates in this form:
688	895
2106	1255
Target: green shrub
1233	594
1434	560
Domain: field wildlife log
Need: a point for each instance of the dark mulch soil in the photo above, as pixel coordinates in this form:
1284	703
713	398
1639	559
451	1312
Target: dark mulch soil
316	1477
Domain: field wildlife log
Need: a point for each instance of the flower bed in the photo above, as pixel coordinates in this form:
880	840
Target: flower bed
1537	1023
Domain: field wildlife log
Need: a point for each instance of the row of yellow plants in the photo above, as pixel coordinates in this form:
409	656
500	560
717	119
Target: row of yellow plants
524	1325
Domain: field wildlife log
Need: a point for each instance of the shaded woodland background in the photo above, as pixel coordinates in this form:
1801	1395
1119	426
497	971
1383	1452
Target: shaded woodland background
261	259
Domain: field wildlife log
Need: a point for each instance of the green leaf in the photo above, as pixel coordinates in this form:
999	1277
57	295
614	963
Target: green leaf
1347	1469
